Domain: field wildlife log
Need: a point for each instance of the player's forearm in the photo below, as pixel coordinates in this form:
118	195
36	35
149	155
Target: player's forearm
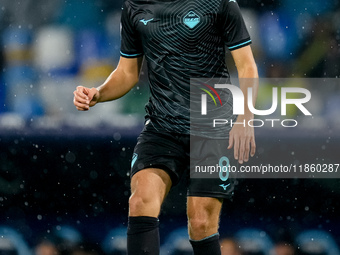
122	80
116	85
248	77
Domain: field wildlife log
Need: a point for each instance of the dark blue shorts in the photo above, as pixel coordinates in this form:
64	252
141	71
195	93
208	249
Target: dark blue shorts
202	161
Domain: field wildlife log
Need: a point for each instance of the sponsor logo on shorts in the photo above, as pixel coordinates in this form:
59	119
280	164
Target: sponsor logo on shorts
224	186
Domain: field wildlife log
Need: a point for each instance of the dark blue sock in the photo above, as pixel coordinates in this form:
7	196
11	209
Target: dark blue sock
209	245
143	236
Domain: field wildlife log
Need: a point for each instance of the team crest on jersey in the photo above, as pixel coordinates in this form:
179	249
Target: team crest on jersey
191	19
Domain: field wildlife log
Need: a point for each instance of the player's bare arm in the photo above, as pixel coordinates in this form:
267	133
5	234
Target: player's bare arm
240	137
120	82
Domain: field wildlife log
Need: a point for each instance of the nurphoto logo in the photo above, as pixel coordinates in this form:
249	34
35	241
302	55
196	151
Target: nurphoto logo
239	104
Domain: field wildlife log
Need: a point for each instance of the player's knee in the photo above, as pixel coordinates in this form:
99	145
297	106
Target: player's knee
202	223
201	228
197	226
138	204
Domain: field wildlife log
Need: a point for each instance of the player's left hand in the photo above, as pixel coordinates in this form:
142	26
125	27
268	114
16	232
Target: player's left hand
242	138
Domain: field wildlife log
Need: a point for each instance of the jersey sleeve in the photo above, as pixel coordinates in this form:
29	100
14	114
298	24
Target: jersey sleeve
131	44
235	33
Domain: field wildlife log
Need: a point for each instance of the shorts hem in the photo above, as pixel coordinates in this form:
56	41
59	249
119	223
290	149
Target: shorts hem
165	168
210	194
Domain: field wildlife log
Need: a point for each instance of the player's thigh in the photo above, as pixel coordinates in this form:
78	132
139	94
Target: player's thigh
150	186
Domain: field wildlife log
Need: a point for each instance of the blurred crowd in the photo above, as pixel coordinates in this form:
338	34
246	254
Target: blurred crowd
49	47
66	240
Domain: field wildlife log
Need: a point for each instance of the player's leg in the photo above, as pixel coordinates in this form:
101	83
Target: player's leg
206	191
149	187
158	162
203	221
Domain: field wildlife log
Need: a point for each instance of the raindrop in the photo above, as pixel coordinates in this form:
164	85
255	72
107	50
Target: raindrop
70	157
93	175
117	136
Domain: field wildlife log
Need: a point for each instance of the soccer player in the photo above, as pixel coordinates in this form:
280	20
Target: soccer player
179	40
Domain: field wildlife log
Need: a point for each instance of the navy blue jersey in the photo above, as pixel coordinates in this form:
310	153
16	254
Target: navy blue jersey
180	39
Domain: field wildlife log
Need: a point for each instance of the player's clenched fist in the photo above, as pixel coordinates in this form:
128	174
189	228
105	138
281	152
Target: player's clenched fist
84	98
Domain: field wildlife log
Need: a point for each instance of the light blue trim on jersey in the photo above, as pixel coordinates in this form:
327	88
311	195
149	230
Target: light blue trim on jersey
131	55
238	45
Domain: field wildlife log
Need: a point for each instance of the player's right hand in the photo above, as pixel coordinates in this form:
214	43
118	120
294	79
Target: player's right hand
84	98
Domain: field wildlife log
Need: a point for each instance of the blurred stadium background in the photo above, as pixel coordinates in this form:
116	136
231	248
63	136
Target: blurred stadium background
63	174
